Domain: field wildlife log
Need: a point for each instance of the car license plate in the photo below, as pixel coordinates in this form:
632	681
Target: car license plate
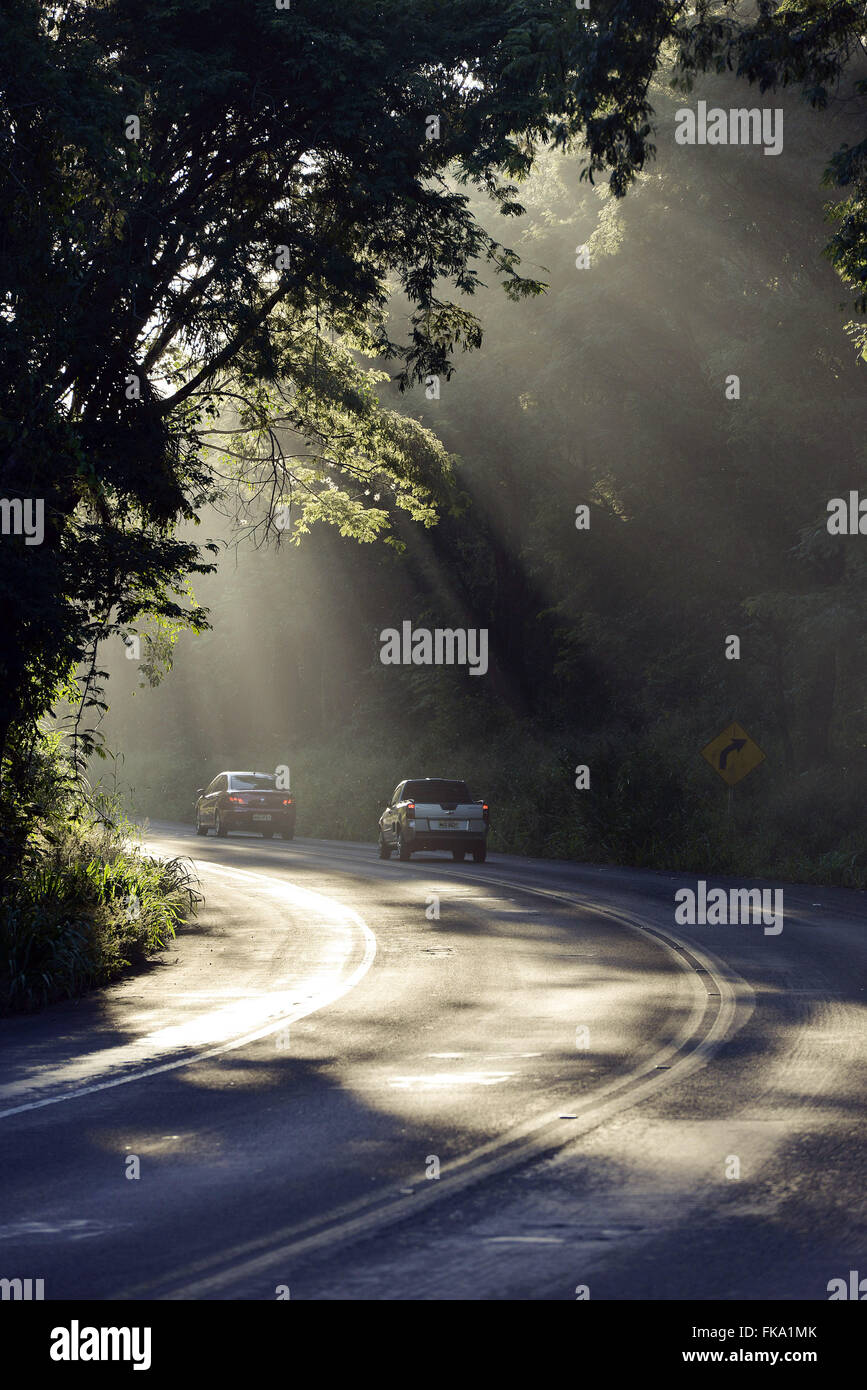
261	817
449	825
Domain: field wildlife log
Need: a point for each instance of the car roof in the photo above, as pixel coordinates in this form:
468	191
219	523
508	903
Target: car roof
404	780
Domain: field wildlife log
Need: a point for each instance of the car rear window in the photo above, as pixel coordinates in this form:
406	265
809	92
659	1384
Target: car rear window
255	782
436	790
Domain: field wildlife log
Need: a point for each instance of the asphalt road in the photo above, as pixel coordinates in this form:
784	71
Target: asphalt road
517	1080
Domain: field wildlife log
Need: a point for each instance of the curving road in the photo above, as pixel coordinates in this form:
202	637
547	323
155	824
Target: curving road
355	1079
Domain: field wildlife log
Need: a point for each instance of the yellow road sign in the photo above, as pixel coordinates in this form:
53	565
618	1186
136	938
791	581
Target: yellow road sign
733	754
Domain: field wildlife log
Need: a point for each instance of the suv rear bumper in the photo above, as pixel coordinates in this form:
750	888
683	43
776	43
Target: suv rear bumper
446	839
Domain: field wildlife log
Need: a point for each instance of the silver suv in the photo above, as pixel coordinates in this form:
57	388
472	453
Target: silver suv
433	813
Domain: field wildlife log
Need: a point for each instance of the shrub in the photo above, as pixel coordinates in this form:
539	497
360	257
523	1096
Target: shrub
88	903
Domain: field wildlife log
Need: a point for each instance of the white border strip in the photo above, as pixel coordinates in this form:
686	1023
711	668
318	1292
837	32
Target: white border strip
328	907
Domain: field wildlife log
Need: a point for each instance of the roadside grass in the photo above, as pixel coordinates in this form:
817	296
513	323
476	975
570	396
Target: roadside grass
88	903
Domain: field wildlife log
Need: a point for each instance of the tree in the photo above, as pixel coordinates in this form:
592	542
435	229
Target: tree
203	206
205	210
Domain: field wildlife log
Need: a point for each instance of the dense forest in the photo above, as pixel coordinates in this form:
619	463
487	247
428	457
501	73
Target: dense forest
707	518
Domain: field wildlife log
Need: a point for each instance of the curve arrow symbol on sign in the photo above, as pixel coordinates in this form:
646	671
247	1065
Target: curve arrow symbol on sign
734	747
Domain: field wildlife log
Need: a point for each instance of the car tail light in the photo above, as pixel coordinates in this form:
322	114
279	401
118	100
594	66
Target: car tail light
410	806
485	811
288	801
237	800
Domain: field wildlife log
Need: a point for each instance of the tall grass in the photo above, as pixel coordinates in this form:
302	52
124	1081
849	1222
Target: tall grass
88	903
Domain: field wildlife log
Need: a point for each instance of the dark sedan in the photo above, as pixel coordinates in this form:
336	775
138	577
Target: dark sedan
249	801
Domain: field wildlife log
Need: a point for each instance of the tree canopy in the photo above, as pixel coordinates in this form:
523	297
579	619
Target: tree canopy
207	210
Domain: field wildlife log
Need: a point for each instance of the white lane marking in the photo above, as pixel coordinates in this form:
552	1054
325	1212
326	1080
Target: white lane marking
444	1080
226	1019
524	1240
521	1144
79	1229
498	1056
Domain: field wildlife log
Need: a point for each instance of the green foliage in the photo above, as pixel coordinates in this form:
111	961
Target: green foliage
320	446
652	802
607	646
88	904
156	258
238	235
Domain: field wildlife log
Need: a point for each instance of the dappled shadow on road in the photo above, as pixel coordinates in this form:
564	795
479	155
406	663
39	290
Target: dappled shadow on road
351	1106
233	1157
745	1182
432	1055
